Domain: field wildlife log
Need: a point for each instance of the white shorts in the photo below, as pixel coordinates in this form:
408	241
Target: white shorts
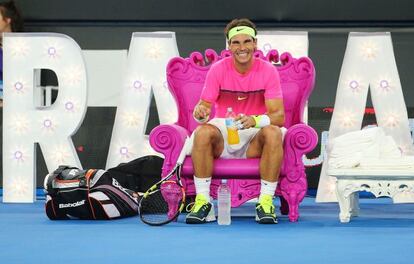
236	151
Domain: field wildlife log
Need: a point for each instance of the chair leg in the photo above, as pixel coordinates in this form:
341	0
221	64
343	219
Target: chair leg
293	193
284	206
344	202
293	207
293	198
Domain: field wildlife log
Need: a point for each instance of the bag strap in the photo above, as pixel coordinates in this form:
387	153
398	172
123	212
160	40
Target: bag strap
51	177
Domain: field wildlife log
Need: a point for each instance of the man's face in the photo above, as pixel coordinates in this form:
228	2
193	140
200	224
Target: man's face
4	24
242	47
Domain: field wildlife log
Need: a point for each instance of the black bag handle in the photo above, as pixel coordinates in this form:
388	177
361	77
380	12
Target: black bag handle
50	178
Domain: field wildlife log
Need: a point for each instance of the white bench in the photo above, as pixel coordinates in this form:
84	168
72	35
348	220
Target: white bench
381	183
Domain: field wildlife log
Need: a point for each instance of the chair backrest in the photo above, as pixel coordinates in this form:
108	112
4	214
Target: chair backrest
186	78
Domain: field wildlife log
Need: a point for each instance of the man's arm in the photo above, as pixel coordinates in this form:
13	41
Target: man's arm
275	112
202	111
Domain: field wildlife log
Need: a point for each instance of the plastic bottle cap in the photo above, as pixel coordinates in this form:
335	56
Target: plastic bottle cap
224	181
229	109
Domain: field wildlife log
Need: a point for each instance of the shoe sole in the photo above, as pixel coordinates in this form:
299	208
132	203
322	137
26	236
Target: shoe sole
266	220
211	217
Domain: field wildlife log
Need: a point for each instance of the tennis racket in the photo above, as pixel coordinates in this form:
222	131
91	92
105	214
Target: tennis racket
164	201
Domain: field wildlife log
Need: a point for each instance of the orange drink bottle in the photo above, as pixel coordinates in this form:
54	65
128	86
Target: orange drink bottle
232	132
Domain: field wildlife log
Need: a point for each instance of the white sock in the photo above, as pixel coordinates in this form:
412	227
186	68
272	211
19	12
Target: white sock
267	188
202	186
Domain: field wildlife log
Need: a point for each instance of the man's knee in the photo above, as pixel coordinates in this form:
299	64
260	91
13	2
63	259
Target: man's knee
205	134
272	135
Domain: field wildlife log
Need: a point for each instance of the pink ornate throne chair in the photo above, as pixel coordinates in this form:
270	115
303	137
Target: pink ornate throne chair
186	76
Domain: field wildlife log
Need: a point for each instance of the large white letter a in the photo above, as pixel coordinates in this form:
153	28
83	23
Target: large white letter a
368	63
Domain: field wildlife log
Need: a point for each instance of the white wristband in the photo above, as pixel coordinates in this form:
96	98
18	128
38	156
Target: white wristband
261	121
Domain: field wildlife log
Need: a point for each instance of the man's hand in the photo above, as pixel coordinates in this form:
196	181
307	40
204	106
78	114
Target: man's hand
244	122
201	112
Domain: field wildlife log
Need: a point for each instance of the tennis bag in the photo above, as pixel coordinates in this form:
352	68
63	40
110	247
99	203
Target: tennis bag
91	194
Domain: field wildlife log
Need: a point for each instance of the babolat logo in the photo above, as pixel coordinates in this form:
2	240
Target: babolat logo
117	185
76	204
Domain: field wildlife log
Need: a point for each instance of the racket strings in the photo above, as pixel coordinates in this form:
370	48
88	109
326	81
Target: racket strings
155	210
154	203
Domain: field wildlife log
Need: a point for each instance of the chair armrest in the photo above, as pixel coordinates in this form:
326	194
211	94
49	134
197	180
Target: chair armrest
168	140
299	140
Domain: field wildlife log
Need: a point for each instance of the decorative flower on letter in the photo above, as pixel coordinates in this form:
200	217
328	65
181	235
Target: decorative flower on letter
19	47
19	155
71	105
20	124
18	186
53	51
60	155
125	152
369	50
154	50
48	124
73	75
354	84
131	119
138	84
385	85
19	86
347	119
391	120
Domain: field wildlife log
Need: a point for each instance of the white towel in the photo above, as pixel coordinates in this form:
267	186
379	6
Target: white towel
401	163
389	149
368	148
346	151
355	141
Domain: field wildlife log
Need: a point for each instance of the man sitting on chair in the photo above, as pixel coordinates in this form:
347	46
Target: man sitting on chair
251	87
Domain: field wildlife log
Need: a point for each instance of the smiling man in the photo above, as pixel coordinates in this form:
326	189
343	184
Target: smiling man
251	87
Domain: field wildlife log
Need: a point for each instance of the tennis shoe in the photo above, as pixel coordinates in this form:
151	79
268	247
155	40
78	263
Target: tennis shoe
265	210
201	212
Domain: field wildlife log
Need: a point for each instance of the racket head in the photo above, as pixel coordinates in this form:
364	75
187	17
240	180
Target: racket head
162	203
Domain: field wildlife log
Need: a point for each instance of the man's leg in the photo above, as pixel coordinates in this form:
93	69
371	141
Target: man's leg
208	144
267	144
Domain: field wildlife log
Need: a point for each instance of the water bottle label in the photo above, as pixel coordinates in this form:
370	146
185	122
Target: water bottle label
229	122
